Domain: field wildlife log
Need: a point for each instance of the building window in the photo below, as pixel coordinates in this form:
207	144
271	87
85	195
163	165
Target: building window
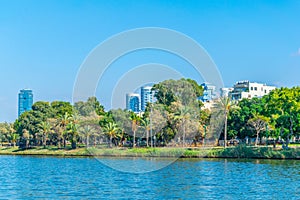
255	88
262	89
265	91
251	88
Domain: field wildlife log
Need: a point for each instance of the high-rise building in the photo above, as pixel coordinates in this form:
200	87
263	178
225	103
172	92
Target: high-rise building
132	102
146	96
25	101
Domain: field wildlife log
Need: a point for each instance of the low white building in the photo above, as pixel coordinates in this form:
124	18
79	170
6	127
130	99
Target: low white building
224	92
247	89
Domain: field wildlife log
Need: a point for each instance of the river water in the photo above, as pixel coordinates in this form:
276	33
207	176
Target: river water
32	177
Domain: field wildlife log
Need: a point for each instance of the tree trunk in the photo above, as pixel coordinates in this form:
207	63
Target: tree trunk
133	139
44	141
290	134
257	135
87	141
64	143
27	143
73	144
110	141
225	131
59	143
183	137
147	138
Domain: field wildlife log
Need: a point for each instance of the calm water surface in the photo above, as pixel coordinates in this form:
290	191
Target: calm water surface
26	177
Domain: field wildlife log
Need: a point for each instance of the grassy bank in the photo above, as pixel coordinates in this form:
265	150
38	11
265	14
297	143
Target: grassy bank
216	152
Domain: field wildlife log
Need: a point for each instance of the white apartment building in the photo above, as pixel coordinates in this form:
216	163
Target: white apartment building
224	92
247	89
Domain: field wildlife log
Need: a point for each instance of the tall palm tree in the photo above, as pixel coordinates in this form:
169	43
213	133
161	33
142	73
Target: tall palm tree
146	123
224	105
72	130
14	138
63	121
44	129
111	130
86	131
135	121
26	137
183	114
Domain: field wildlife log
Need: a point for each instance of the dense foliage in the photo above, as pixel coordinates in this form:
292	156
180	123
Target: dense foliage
177	118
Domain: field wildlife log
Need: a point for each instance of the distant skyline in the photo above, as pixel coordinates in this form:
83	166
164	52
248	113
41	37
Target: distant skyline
43	43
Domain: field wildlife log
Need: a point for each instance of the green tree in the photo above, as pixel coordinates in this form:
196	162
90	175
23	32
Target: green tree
85	132
145	122
60	108
283	107
111	130
184	90
14	138
183	116
122	119
72	130
224	105
258	123
25	139
92	105
44	129
62	124
135	121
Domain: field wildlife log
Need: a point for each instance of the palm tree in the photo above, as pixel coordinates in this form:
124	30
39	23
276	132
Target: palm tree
135	120
224	105
62	124
183	114
111	130
26	137
44	129
72	130
86	131
146	123
14	138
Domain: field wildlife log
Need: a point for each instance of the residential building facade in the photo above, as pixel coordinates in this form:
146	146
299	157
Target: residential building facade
247	89
225	92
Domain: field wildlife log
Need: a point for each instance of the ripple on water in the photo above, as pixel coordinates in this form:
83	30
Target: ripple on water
25	177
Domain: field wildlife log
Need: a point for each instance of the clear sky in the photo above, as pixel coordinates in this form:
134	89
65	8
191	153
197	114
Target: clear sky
43	43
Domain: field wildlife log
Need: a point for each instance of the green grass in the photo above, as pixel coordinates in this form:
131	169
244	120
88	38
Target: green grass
215	152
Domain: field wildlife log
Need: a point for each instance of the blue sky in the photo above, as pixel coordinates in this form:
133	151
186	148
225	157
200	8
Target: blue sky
43	43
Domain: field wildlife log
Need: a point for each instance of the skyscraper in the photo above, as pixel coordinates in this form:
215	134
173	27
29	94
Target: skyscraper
146	96
133	102
25	101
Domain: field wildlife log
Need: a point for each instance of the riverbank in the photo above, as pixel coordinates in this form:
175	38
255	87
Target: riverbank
215	152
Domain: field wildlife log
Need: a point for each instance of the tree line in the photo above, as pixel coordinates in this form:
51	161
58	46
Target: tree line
177	118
